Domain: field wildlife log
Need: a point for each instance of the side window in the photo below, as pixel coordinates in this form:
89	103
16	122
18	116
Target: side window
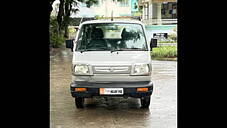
84	37
81	41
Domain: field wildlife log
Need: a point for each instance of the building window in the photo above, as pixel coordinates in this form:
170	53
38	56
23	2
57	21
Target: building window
134	6
174	13
169	10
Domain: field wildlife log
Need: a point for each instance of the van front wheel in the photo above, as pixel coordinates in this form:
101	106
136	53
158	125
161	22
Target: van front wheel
145	102
79	102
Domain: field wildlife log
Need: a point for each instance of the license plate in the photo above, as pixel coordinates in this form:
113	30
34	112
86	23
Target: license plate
111	91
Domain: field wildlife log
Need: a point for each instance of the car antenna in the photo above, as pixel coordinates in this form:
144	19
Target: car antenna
81	20
112	16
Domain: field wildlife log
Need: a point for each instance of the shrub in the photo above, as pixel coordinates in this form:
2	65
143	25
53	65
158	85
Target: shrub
56	37
56	40
173	36
164	52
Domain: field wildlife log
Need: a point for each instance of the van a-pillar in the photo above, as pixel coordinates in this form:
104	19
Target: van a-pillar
157	15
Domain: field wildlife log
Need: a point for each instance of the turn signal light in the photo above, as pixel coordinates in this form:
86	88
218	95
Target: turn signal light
142	89
80	89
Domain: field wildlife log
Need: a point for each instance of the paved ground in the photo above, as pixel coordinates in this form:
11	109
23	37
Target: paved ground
115	112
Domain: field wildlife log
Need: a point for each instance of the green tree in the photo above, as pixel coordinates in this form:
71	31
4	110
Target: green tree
63	17
56	39
68	10
49	13
60	15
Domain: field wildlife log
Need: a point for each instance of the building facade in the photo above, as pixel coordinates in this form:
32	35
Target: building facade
157	12
115	8
107	8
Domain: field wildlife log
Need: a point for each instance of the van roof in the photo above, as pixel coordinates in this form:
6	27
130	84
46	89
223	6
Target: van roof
114	21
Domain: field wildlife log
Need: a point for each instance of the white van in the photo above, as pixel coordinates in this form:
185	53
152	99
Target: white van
111	58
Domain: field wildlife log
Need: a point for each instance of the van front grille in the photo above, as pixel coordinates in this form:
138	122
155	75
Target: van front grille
111	69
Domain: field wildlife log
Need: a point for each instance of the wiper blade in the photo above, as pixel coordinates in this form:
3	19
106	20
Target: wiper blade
81	51
86	50
134	48
131	49
113	50
127	49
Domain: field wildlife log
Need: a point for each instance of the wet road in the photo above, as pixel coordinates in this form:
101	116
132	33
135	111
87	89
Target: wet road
115	112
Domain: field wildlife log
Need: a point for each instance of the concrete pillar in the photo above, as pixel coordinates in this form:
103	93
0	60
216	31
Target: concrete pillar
143	16
150	11
157	14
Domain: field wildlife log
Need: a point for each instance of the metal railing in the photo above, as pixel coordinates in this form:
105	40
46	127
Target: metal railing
159	21
167	44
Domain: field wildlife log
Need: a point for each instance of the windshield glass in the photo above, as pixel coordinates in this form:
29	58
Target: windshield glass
111	37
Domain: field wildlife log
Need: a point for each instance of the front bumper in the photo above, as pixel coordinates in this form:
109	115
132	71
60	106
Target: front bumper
129	88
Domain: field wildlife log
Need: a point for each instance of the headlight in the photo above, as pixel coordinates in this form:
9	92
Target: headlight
81	70
142	69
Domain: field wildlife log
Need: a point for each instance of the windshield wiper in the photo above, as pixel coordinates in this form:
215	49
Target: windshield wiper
81	51
127	49
86	50
115	50
133	49
112	50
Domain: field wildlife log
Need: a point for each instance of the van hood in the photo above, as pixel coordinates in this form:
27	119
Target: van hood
108	58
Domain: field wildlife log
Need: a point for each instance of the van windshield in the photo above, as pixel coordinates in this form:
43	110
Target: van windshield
111	37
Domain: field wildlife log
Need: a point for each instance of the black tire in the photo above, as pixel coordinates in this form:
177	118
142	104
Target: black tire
145	102
79	102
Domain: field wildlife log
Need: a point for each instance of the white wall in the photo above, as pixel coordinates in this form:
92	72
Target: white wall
106	7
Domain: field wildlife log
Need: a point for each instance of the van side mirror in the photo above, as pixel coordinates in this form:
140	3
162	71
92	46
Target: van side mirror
76	28
153	43
69	44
